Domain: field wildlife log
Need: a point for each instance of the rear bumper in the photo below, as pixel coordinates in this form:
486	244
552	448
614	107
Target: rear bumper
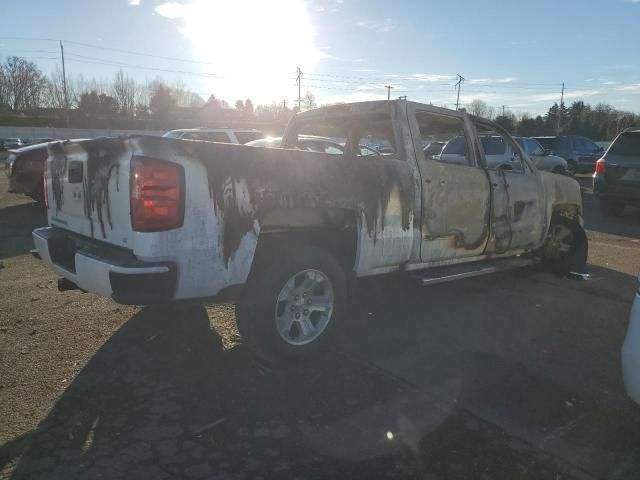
105	270
631	353
627	194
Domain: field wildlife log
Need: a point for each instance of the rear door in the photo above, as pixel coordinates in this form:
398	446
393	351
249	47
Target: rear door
88	189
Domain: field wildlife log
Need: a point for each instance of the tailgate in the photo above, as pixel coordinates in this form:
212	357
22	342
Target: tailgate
88	189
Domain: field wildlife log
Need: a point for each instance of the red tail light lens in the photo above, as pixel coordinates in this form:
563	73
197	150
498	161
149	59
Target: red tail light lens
600	166
157	195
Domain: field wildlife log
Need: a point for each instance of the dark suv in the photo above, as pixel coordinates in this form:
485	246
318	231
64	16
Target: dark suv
579	152
617	174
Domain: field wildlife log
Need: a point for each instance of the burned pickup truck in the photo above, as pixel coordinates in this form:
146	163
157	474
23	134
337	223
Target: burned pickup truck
287	232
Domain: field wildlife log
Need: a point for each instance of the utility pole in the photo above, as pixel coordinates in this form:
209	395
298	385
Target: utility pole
388	87
560	108
299	83
458	83
64	86
503	110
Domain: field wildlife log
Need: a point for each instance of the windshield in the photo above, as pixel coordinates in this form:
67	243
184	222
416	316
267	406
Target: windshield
320	240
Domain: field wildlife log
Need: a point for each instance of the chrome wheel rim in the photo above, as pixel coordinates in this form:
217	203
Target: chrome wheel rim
560	241
304	307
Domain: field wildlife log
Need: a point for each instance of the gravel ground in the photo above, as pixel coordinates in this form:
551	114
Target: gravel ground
519	380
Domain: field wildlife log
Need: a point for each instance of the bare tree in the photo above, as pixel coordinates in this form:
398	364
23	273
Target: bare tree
309	101
480	108
4	89
56	97
25	82
124	91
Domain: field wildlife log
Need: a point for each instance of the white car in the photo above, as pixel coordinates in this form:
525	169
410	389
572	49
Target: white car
222	135
631	352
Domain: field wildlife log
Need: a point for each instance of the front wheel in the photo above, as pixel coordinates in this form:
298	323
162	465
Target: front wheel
292	303
566	248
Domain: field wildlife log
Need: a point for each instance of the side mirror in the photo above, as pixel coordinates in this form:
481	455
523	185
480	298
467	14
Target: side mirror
505	166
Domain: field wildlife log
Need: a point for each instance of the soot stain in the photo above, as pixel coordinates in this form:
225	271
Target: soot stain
103	155
58	165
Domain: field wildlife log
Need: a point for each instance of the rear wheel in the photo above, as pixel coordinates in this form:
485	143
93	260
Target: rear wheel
611	208
291	304
566	247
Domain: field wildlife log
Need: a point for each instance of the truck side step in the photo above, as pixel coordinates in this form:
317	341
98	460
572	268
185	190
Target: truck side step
434	275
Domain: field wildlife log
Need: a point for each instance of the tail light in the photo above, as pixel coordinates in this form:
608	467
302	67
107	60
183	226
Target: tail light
600	166
45	187
157	195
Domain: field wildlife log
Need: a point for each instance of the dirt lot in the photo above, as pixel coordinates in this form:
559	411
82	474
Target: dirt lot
515	375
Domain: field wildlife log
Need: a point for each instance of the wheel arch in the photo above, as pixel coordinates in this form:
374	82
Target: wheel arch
332	229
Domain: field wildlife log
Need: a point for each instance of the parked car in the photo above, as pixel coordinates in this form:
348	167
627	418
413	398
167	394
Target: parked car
498	152
579	152
543	159
286	232
223	135
312	144
25	168
616	180
631	351
433	148
11	143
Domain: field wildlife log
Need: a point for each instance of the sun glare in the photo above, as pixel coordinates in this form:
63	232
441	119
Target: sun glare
253	45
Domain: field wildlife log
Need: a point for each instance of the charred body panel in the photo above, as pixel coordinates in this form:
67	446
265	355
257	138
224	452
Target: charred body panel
246	183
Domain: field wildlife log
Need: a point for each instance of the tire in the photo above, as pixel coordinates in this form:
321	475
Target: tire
566	248
275	324
611	208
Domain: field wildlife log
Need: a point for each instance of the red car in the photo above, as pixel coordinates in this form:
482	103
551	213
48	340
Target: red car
25	168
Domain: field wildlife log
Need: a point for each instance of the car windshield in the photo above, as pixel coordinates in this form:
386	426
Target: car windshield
627	144
320	240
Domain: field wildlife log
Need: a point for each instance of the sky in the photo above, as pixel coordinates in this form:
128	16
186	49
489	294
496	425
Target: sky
511	53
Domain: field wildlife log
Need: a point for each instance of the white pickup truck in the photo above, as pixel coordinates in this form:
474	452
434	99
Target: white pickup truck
287	232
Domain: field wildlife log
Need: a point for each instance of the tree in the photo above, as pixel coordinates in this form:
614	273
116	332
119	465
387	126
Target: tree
25	83
248	106
162	102
309	101
142	111
240	105
89	105
108	105
479	108
56	94
507	121
124	92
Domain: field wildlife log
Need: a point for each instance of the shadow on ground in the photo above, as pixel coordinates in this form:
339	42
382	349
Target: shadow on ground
16	224
467	380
